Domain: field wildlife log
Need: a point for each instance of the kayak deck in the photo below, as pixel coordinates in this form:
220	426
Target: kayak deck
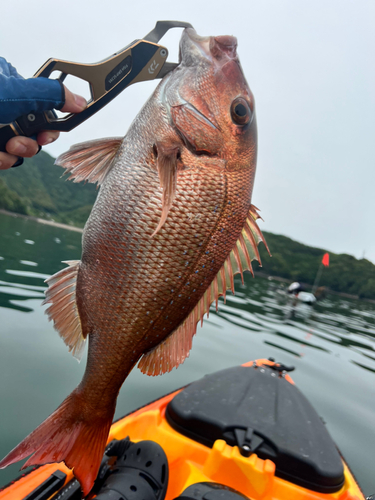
192	462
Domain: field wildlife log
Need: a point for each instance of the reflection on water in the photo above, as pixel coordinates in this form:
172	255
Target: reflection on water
8	297
332	345
264	306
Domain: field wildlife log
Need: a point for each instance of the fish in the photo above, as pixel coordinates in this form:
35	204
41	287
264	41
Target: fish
172	225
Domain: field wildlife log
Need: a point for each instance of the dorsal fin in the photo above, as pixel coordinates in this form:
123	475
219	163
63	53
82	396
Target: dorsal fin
61	294
176	347
90	161
252	218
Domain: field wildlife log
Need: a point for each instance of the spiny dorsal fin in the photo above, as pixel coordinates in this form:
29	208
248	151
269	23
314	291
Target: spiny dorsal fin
176	348
253	217
61	294
90	161
166	162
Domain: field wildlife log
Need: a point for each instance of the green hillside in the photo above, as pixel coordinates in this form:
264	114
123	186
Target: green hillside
37	189
297	262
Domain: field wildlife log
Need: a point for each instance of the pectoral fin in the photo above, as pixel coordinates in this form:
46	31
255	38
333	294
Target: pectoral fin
166	162
176	348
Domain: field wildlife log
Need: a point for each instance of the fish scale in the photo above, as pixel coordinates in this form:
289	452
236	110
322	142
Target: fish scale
219	243
171	226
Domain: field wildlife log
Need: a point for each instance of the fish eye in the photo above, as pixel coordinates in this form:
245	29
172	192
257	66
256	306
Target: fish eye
240	111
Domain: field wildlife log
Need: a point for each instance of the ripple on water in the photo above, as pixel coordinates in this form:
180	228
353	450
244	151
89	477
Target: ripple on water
27	274
20	292
23	286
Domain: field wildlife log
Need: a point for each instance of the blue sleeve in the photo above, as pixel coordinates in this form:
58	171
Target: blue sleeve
19	96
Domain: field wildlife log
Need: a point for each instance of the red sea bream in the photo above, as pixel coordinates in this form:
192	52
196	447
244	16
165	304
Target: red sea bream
172	224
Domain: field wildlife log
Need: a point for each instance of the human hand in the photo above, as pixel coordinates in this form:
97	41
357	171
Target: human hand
27	147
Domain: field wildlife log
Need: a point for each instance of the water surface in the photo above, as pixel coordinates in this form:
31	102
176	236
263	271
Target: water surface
332	347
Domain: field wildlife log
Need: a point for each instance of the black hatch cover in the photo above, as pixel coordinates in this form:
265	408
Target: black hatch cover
258	410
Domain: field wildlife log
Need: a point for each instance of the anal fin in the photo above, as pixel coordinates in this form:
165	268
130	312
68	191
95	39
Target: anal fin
173	351
63	310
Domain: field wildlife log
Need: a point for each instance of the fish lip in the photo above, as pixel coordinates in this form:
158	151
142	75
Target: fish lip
218	50
201	42
193	35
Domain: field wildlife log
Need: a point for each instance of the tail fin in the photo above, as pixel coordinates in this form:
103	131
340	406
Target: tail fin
74	434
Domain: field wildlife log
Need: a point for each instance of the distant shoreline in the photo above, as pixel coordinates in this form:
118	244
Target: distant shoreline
259	273
42	221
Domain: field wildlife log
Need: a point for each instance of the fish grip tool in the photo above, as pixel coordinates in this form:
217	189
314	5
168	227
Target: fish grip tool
139	61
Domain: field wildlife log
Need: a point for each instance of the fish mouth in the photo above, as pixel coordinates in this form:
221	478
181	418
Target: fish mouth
217	49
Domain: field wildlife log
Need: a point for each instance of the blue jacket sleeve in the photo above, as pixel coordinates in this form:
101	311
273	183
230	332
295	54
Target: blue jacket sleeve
19	96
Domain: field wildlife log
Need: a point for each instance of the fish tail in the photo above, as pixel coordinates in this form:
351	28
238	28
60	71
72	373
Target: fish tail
75	433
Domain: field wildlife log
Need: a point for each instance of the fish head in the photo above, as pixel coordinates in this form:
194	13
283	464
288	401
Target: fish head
210	103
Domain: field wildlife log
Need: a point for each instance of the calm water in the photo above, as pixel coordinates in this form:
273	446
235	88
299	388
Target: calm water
332	347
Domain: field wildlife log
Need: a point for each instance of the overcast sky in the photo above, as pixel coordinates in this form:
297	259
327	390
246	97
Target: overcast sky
310	65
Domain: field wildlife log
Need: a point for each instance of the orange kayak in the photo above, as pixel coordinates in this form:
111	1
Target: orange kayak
241	432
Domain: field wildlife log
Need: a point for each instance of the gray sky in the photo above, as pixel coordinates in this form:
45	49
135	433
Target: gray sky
310	65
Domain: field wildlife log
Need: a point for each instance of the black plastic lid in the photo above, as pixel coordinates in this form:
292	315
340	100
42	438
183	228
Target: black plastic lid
259	411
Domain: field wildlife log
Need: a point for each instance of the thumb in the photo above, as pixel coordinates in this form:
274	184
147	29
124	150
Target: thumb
73	103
